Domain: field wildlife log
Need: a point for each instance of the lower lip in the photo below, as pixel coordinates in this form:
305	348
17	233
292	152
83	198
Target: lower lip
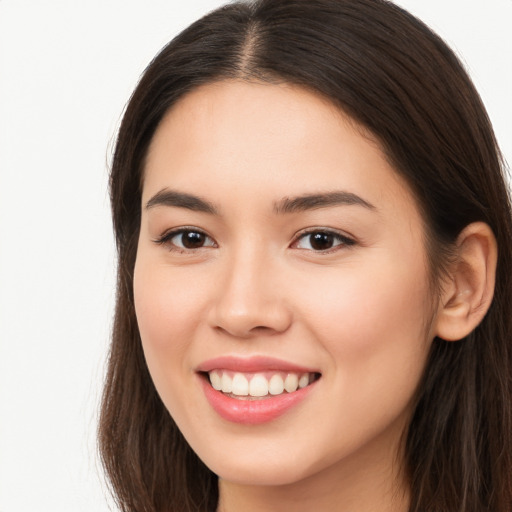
253	412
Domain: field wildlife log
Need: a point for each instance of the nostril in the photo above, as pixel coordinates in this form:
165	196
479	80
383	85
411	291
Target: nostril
261	329
246	331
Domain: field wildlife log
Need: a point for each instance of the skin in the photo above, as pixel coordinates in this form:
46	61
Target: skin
357	313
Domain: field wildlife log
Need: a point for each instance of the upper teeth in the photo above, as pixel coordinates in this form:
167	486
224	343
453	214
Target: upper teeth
258	384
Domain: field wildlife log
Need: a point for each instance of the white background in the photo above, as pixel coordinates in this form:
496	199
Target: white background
66	70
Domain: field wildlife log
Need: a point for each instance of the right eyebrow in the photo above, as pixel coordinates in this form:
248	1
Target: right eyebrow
167	197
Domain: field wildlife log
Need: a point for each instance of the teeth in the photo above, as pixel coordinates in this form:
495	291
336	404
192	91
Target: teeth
240	385
304	380
276	385
216	381
291	383
226	383
258	385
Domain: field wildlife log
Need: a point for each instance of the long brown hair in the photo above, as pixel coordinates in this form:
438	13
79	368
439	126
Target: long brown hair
399	80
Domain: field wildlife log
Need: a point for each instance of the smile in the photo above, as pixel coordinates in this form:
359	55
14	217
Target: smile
256	390
258	385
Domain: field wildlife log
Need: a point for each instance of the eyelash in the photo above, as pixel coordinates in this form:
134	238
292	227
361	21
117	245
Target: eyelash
343	240
166	238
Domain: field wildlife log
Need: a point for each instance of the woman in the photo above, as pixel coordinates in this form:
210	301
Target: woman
314	287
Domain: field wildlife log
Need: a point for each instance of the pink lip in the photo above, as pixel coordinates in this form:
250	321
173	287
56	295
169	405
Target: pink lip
252	364
252	412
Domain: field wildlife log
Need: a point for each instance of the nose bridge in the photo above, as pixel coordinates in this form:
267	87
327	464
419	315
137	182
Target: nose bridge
249	300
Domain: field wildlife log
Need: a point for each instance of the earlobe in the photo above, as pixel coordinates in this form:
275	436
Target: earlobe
469	289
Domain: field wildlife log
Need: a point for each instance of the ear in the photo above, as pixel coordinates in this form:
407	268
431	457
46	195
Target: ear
468	291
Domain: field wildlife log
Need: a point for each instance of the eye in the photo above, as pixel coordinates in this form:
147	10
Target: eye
186	239
322	240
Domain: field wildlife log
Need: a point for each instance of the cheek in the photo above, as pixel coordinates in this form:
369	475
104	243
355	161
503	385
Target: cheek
372	326
166	307
168	313
373	322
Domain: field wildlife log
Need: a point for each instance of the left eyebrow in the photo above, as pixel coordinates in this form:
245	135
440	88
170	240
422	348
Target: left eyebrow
322	200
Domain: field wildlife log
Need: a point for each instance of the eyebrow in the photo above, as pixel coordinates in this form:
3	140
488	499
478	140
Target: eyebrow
322	200
168	197
173	198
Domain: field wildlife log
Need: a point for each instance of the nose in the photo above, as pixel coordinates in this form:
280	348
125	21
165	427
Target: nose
249	298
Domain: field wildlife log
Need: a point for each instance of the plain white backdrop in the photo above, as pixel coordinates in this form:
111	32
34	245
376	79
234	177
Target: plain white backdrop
67	69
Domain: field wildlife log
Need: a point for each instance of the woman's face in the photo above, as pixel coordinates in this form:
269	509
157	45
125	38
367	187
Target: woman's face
278	248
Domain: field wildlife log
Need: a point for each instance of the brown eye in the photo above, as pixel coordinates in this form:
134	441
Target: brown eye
322	241
190	239
186	239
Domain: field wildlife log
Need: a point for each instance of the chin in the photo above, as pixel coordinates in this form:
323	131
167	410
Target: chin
262	464
264	475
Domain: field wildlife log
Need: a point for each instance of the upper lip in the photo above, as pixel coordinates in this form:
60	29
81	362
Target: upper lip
251	364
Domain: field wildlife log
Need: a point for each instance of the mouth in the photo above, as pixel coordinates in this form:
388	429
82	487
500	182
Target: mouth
258	385
256	390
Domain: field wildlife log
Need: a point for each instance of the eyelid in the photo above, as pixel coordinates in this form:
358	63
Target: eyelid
166	237
346	240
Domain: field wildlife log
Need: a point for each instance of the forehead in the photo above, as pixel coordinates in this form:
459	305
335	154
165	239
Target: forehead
276	140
